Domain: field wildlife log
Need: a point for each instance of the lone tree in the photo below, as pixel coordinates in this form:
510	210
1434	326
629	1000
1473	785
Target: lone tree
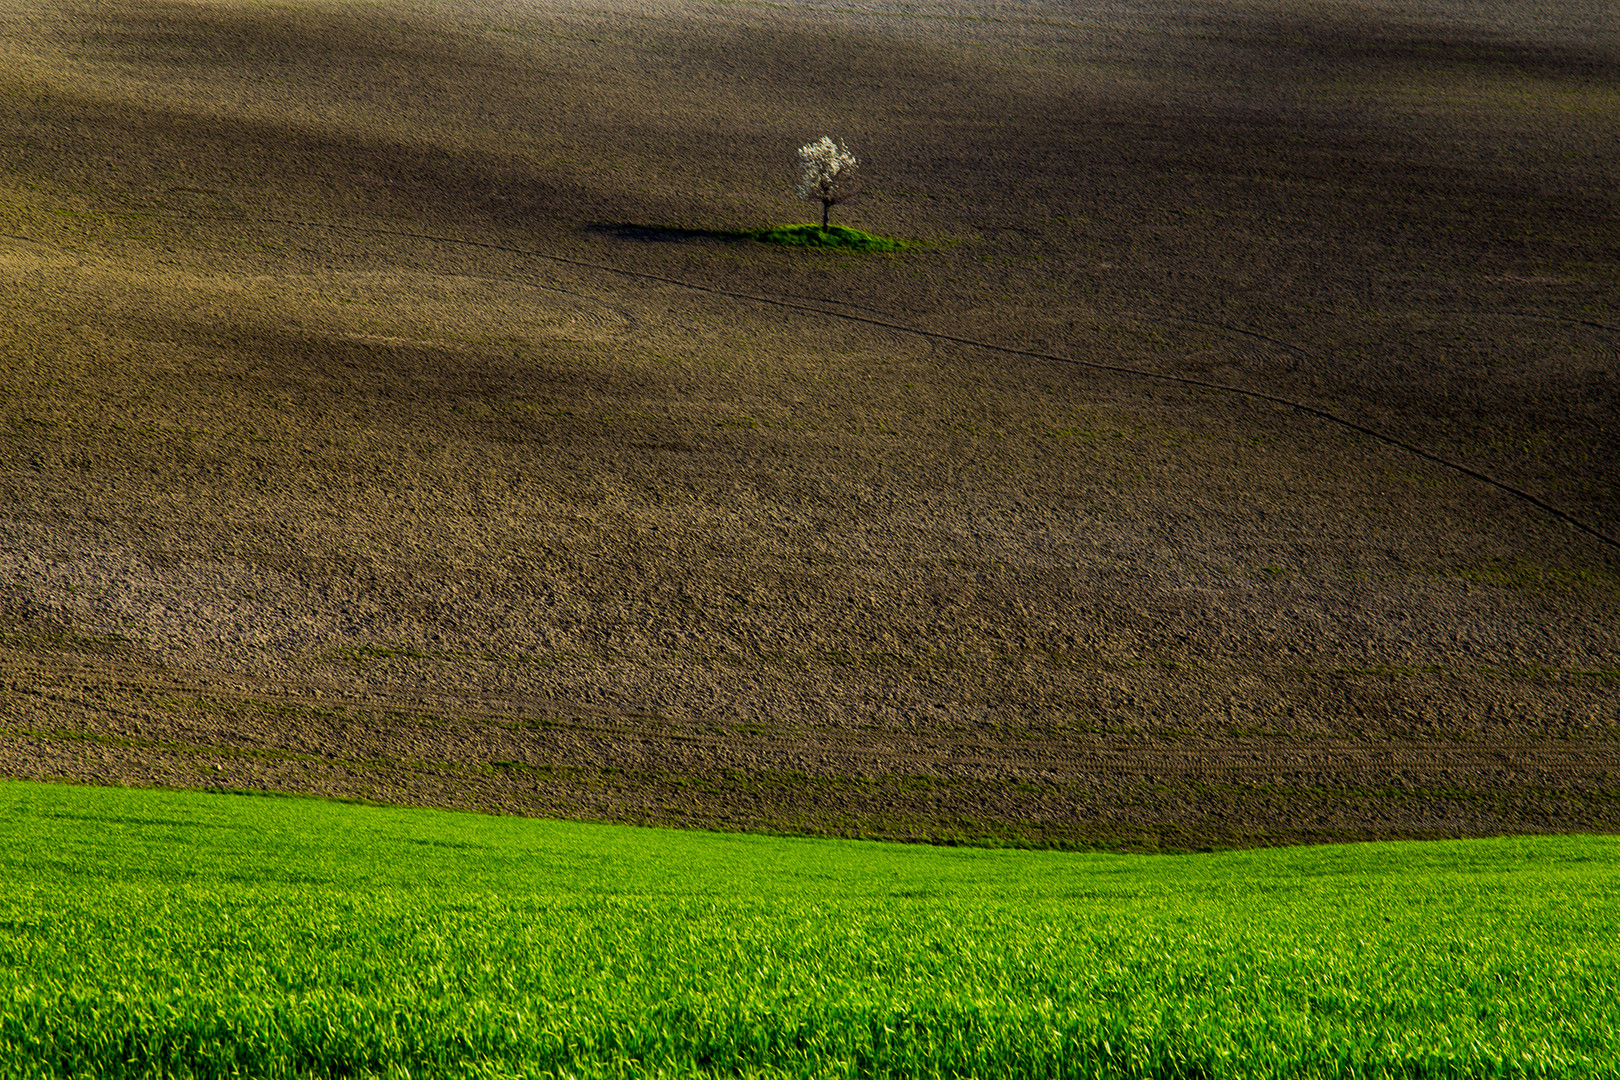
827	175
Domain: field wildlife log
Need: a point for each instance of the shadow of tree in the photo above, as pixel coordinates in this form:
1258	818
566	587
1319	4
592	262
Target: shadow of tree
668	234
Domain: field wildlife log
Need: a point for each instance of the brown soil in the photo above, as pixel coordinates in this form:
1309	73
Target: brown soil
389	410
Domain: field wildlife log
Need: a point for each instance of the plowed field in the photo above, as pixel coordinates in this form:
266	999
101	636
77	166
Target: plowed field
391	408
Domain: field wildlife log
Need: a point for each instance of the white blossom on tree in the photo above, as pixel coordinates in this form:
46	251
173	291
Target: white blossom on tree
827	175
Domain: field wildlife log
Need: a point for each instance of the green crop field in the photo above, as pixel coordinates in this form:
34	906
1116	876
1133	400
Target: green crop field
152	933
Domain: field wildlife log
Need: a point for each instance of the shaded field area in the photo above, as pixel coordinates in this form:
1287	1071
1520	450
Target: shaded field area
393	405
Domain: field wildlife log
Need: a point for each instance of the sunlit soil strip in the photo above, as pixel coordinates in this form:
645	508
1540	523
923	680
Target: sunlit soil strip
157	933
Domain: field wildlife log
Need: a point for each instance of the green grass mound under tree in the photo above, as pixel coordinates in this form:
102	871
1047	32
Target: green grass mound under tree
834	236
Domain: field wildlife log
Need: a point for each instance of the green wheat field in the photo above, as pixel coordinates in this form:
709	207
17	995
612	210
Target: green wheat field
148	933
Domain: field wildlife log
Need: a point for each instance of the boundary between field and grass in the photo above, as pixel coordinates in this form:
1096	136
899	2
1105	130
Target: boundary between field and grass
1008	350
